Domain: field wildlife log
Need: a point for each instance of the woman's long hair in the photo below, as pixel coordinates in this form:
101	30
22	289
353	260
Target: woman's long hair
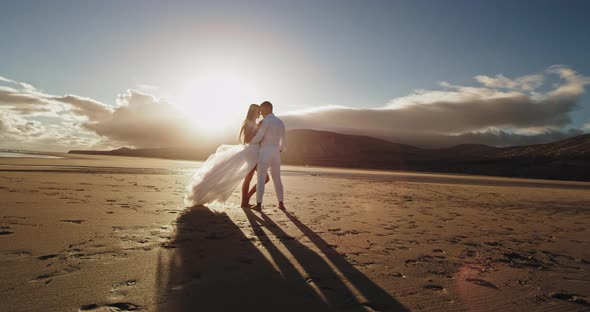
251	116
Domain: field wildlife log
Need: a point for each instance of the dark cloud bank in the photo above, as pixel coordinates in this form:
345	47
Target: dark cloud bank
501	112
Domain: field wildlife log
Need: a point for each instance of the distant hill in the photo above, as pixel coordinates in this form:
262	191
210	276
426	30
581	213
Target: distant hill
322	148
566	160
166	153
573	148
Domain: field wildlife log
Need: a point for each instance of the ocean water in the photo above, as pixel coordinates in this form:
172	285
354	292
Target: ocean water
25	155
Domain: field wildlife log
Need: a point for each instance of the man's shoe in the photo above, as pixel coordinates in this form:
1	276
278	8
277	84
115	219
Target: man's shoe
258	207
282	206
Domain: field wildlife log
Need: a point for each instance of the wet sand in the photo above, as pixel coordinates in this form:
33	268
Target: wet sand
100	233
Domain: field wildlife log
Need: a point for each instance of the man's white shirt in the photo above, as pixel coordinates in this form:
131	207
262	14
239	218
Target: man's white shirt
271	133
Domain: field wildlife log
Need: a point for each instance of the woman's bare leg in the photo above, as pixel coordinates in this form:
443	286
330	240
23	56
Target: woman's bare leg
245	186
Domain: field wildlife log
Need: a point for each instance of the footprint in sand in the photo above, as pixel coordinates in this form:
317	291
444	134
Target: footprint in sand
118	306
67	270
398	274
482	282
120	290
442	273
5	230
468	253
45	257
571	298
77	221
434	287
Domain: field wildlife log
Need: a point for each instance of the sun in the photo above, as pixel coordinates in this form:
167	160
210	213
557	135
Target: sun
217	101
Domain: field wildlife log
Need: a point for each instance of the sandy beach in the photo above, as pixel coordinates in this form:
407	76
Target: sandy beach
105	233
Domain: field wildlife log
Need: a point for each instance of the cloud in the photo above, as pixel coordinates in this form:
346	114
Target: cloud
137	119
25	99
32	119
143	120
526	83
23	85
462	114
22	102
94	110
20	132
14	126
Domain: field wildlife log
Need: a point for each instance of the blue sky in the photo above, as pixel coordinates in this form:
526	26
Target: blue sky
300	54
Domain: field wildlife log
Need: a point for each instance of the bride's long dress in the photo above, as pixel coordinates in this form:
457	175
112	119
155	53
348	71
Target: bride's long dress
221	173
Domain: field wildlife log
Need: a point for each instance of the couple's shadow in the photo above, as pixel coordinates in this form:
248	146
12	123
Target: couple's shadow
212	265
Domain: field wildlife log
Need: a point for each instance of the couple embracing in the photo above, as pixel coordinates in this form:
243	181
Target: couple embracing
260	151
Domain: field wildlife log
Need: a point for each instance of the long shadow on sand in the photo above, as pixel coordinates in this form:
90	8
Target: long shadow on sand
211	265
376	297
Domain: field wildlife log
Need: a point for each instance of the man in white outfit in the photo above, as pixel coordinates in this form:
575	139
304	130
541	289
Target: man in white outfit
271	137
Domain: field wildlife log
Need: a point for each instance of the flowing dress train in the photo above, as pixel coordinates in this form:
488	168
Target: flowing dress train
221	173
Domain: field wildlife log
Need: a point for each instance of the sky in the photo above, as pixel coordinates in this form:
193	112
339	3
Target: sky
105	74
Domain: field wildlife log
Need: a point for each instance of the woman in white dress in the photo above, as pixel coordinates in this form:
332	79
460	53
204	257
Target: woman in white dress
223	171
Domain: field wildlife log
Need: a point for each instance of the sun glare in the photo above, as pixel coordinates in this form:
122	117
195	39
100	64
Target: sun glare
217	101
